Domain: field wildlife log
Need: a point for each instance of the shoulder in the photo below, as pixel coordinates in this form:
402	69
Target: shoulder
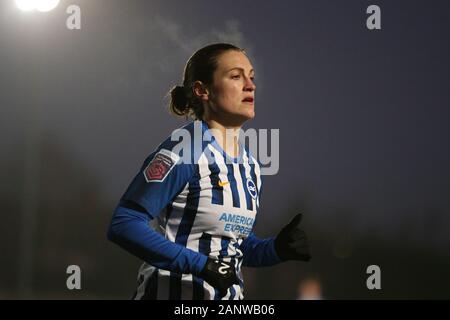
188	142
183	147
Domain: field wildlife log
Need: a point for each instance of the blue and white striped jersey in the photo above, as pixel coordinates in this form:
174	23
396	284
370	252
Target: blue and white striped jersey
206	202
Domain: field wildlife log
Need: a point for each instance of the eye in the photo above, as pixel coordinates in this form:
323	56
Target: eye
237	76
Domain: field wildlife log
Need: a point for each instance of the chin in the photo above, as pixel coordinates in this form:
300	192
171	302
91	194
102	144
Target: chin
246	115
239	119
251	115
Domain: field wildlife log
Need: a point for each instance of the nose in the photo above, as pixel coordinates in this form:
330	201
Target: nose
249	84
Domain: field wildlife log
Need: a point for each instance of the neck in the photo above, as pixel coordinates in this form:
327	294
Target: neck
226	135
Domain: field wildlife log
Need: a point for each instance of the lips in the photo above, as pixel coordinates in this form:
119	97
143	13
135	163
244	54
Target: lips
249	99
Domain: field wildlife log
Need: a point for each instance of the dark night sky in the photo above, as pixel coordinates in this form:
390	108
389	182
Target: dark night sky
363	115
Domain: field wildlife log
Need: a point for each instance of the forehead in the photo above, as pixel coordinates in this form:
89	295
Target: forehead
233	59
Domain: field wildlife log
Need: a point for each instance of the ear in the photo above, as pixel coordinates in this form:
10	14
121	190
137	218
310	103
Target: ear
200	91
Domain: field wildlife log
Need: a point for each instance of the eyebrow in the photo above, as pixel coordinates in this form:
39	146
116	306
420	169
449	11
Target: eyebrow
239	68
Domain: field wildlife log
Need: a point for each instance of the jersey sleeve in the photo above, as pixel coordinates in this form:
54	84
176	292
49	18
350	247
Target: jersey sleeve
162	176
259	252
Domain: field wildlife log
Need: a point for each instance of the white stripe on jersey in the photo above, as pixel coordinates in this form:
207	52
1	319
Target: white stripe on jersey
145	273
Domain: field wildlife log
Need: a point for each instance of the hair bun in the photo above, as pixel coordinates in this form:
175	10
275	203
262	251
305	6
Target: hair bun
179	99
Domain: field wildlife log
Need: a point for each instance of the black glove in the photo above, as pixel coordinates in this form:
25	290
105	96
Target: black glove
291	243
219	274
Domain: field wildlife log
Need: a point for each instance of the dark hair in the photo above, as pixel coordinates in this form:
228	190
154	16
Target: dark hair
200	67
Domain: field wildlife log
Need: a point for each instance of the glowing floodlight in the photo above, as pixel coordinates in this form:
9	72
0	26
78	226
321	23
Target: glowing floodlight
40	5
46	5
26	5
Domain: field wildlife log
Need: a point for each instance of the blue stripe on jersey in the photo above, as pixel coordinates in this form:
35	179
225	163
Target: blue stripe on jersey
233	186
151	288
248	197
175	286
204	246
255	181
184	229
224	247
217	191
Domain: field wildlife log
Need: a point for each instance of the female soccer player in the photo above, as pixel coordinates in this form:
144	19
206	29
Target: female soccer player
190	210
